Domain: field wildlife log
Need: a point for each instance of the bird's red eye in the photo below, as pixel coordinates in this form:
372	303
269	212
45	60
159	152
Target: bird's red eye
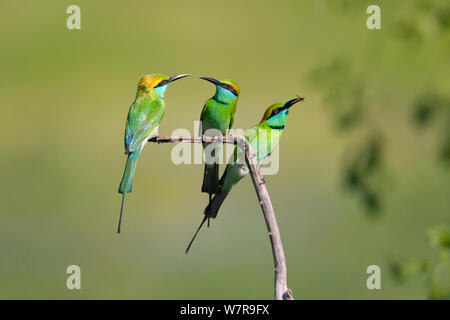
229	87
275	111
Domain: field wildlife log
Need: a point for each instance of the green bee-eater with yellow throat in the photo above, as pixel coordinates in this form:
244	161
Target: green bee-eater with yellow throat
143	120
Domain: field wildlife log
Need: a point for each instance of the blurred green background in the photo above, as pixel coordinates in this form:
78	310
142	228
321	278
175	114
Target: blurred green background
64	99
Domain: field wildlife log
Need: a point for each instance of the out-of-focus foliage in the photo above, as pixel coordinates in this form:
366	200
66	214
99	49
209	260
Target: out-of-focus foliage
424	20
426	107
439	286
439	236
437	272
360	173
349	99
431	110
345	99
344	91
403	271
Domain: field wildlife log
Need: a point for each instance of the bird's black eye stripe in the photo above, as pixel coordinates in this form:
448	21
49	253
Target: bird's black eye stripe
161	83
230	88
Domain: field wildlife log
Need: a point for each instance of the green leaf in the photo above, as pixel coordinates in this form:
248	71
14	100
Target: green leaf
439	236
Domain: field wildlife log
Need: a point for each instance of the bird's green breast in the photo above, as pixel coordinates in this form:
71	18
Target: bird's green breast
217	115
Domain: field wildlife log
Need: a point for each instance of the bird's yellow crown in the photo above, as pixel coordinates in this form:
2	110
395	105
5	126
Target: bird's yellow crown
149	81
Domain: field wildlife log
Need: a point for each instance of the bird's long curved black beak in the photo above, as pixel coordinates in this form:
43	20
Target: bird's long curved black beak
172	79
212	80
291	102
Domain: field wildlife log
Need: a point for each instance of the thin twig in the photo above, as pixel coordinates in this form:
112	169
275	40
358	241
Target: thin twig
282	292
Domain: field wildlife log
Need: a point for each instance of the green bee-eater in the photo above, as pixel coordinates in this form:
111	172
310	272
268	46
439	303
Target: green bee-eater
143	120
263	139
218	113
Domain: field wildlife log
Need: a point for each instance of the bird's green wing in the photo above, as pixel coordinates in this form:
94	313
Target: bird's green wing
251	135
239	154
128	128
262	140
230	125
202	115
142	119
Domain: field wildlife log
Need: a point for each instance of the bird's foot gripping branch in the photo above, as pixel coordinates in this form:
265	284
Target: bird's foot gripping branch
282	292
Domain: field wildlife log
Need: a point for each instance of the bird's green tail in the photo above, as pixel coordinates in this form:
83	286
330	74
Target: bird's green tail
121	210
211	179
232	175
192	240
127	181
210	212
213	207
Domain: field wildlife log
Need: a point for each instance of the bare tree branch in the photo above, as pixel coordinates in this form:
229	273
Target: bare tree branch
282	292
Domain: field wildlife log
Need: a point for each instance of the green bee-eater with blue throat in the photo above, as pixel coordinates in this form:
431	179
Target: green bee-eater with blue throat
143	120
218	114
263	139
